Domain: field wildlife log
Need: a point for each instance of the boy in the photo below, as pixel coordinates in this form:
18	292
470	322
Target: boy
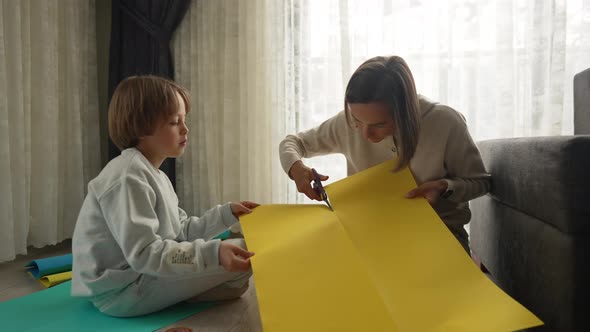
135	251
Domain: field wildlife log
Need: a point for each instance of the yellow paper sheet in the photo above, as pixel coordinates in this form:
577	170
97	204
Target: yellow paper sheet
380	262
55	279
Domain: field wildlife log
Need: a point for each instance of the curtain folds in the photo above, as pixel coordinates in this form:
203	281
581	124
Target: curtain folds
261	70
49	127
231	54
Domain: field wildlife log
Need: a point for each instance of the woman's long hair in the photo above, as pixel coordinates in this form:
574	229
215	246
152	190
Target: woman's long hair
388	80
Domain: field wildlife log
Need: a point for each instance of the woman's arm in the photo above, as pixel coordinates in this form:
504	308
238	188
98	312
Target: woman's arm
321	140
467	176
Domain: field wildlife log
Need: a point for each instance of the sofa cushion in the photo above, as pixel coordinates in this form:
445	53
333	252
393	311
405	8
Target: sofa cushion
542	268
545	177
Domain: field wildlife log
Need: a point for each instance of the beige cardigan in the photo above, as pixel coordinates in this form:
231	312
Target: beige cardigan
445	151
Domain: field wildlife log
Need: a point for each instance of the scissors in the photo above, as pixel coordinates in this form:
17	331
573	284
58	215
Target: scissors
319	189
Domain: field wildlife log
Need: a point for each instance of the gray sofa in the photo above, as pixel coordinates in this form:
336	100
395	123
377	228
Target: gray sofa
532	232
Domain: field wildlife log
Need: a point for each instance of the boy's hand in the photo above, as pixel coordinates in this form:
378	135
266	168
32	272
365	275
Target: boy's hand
234	258
242	208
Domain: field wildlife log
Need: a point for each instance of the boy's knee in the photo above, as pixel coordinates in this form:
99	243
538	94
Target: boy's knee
235	292
221	293
235	231
114	310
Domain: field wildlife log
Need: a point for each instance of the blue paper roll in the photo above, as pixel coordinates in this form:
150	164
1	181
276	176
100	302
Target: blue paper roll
50	265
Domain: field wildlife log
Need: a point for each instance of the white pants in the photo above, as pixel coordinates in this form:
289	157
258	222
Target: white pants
149	294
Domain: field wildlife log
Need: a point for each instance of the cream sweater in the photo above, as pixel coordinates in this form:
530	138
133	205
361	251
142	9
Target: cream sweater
445	151
130	224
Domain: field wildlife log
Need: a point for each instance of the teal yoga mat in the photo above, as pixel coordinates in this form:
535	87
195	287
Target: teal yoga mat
54	309
51	265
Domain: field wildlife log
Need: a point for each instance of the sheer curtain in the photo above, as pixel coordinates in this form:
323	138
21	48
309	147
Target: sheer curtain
233	56
260	70
507	65
49	137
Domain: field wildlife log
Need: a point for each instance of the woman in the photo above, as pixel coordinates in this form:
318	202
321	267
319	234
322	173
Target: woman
385	118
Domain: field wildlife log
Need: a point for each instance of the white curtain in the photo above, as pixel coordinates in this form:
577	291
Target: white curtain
49	137
507	65
232	55
260	69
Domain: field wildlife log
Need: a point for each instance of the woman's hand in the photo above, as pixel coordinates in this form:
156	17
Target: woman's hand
303	176
429	190
234	258
242	208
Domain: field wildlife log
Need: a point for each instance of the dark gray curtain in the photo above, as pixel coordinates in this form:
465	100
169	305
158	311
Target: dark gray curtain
140	44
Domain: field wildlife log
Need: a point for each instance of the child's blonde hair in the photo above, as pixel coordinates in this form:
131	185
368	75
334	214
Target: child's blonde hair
139	104
389	80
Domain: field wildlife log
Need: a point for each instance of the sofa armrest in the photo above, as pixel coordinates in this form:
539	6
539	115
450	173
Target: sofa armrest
582	103
544	177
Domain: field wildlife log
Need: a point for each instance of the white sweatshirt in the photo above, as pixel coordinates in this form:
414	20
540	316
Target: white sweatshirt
445	151
130	224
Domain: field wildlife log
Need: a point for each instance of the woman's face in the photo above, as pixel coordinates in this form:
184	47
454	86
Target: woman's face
373	120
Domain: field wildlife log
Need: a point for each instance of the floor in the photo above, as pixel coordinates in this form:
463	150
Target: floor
235	316
15	282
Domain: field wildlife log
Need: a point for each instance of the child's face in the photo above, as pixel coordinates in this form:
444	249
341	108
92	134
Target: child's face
170	137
